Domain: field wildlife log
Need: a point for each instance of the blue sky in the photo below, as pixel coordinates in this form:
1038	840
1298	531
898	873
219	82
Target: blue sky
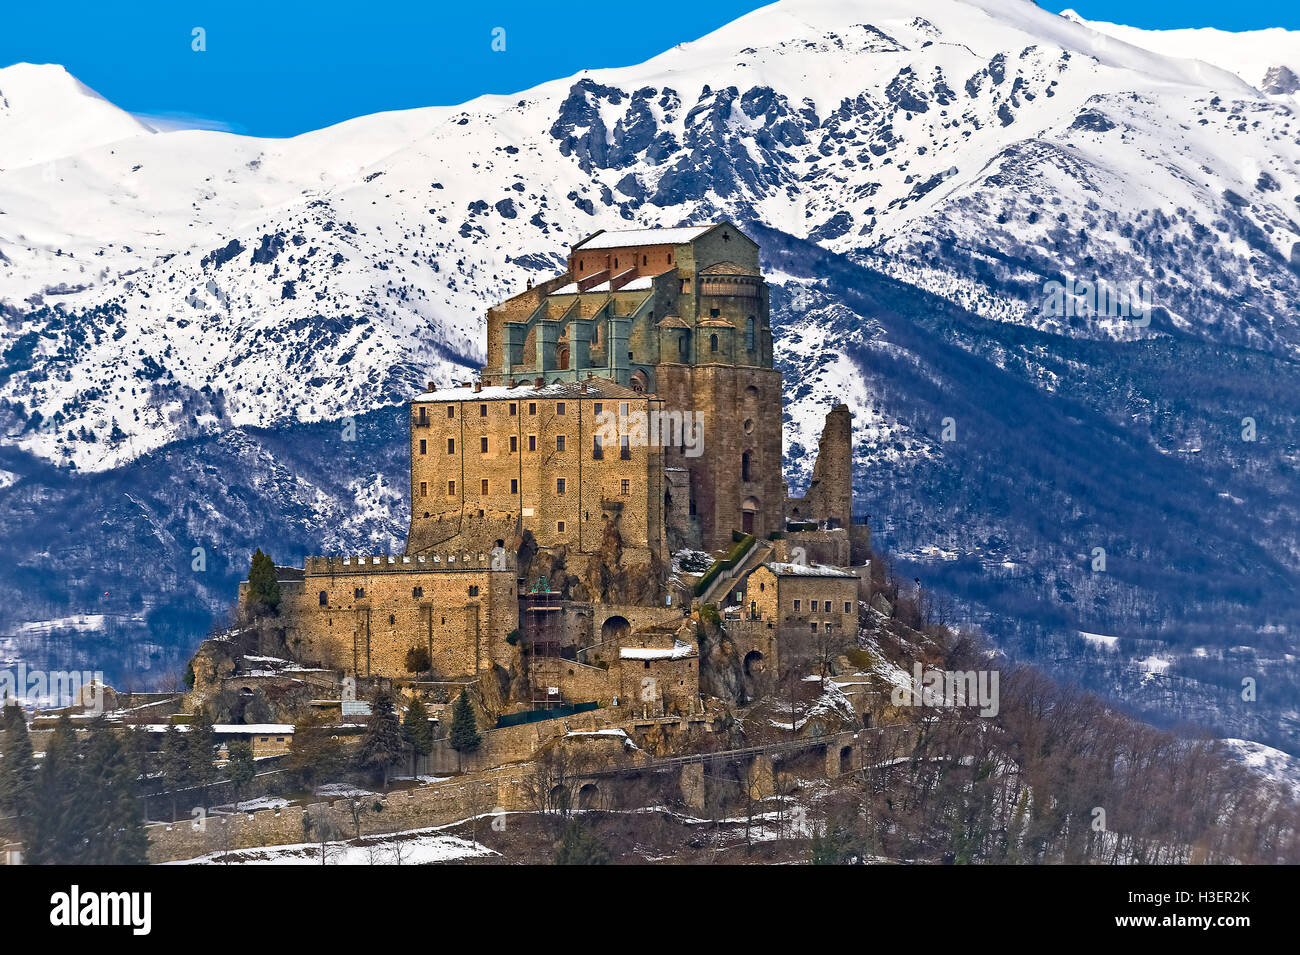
279	67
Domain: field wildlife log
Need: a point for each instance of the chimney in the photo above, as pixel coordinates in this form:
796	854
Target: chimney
478	386
583	388
512	383
431	386
539	382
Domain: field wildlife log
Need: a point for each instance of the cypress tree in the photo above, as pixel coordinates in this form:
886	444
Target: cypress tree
464	735
417	732
263	588
382	746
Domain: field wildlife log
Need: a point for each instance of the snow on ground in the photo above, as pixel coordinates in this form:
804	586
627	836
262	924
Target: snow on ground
1100	640
413	847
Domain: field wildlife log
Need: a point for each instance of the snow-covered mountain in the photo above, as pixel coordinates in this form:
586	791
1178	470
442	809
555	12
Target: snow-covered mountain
184	311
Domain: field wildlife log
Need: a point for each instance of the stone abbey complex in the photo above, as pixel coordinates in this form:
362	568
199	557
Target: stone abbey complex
617	465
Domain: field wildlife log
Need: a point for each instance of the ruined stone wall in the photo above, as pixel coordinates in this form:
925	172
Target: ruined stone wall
830	492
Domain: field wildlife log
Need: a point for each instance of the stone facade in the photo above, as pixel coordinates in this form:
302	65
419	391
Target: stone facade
364	614
542	458
681	314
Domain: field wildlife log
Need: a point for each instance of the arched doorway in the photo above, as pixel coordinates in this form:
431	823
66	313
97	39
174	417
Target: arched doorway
846	760
562	357
614	628
640	382
559	798
748	510
754	664
589	797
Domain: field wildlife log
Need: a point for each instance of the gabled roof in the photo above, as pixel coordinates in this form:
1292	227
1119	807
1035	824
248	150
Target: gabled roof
807	570
623	238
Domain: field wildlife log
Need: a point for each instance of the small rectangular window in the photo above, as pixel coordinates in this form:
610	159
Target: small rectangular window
559	527
423	446
532	442
847	606
597	447
473	590
417	591
514	408
814	626
796	606
451	445
451	411
559	442
559	485
514	486
559	407
482	445
484	488
424	489
626	487
624	448
514	444
451	488
622	409
532	407
358	593
482	411
597	407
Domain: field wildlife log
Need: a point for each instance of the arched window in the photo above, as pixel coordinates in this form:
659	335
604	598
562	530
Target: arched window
324	599
645	259
713	343
579	265
749	333
684	345
744	466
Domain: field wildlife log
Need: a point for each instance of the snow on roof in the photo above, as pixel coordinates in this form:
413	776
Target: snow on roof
622	238
230	729
806	570
640	284
596	387
678	651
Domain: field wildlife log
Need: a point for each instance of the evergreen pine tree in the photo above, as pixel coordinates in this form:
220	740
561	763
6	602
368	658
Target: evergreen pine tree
242	768
417	732
174	763
201	747
263	588
107	788
382	746
464	735
18	767
55	832
313	754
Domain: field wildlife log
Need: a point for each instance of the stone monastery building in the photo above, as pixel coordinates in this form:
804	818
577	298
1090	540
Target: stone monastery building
629	409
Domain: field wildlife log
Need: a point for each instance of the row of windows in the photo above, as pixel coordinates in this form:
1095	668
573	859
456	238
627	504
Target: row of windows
359	593
561	444
625	487
561	408
813	606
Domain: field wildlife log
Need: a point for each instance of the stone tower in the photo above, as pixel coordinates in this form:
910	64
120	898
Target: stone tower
679	314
